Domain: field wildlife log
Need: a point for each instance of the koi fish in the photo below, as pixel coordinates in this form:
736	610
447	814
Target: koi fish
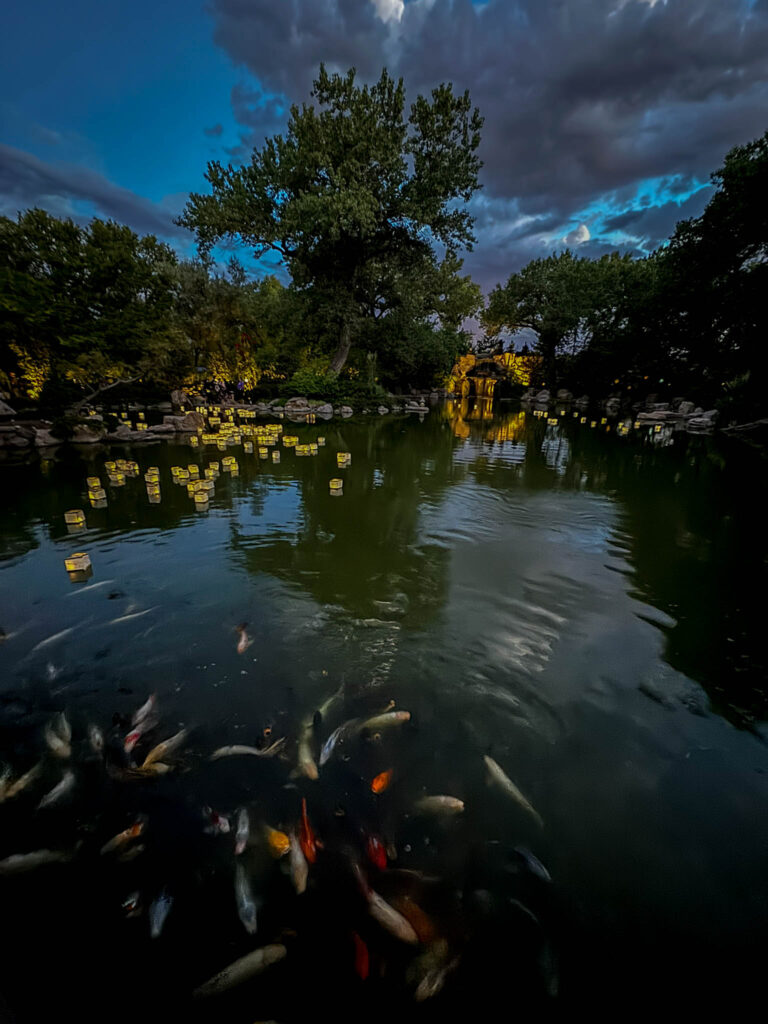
381	782
439	805
122	838
244	641
242	831
307	836
158	912
390	919
240	748
338	734
278	842
58	791
18	863
298	864
246	906
387	719
219	824
498	776
377	854
96	739
23	781
241	970
306	762
149	707
56	741
362	959
162	750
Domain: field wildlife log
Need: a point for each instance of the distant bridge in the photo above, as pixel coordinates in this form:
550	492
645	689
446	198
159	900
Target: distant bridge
483	375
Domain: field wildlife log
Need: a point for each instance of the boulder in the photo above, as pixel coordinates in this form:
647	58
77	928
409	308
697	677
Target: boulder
5	409
12	435
582	402
188	423
383	410
179	398
44	438
346	410
543	395
564	395
325	410
685	408
161	428
712	415
88	433
296	404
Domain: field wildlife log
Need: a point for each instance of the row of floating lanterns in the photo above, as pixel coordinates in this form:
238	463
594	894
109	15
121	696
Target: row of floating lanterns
78	565
622	429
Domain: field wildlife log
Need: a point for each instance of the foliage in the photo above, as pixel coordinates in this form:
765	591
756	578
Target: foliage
354	198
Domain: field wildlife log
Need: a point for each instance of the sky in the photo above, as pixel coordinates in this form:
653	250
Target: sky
603	118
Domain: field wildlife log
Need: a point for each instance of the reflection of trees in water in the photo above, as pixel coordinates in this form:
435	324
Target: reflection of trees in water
695	532
692	530
362	551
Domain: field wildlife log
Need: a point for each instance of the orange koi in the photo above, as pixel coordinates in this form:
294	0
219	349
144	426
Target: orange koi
307	838
381	782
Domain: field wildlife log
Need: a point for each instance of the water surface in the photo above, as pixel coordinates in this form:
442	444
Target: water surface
584	607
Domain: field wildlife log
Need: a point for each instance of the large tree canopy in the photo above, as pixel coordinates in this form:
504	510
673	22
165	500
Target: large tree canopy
356	199
88	305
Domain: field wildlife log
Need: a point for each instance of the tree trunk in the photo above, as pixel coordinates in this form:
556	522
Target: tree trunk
88	398
341	353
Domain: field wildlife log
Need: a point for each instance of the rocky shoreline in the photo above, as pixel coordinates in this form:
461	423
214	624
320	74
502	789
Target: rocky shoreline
178	421
679	413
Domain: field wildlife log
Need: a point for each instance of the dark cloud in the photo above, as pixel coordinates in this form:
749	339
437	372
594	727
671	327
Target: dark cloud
581	98
27	181
214	131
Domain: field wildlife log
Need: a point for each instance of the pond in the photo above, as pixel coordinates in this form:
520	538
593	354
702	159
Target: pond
584	609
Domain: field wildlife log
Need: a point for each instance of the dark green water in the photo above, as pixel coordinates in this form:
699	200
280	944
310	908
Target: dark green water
588	608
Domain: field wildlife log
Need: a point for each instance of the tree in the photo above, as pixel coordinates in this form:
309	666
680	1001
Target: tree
85	305
549	296
355	198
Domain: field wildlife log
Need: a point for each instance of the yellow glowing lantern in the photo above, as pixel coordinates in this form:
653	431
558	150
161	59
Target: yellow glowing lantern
321	441
75	517
336	483
77	562
93	481
275	456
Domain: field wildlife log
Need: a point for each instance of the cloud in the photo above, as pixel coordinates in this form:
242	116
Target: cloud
66	189
214	131
389	10
578	236
582	99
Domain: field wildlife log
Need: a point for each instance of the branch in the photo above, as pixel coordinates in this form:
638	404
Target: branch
98	391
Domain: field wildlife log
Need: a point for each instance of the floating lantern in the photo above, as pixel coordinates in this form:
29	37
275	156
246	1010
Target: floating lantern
75	517
194	440
97	493
593	423
336	483
248	447
657	428
205	486
603	421
141	414
77	562
93	481
275	456
201	499
290	441
117	479
336	492
110	466
636	424
193	469
343	459
583	419
321	441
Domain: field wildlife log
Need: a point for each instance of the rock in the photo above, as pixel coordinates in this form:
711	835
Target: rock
188	423
698	411
325	410
582	402
712	415
5	409
612	406
86	433
161	428
179	398
296	404
685	408
564	395
346	410
543	395
383	410
44	438
699	423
